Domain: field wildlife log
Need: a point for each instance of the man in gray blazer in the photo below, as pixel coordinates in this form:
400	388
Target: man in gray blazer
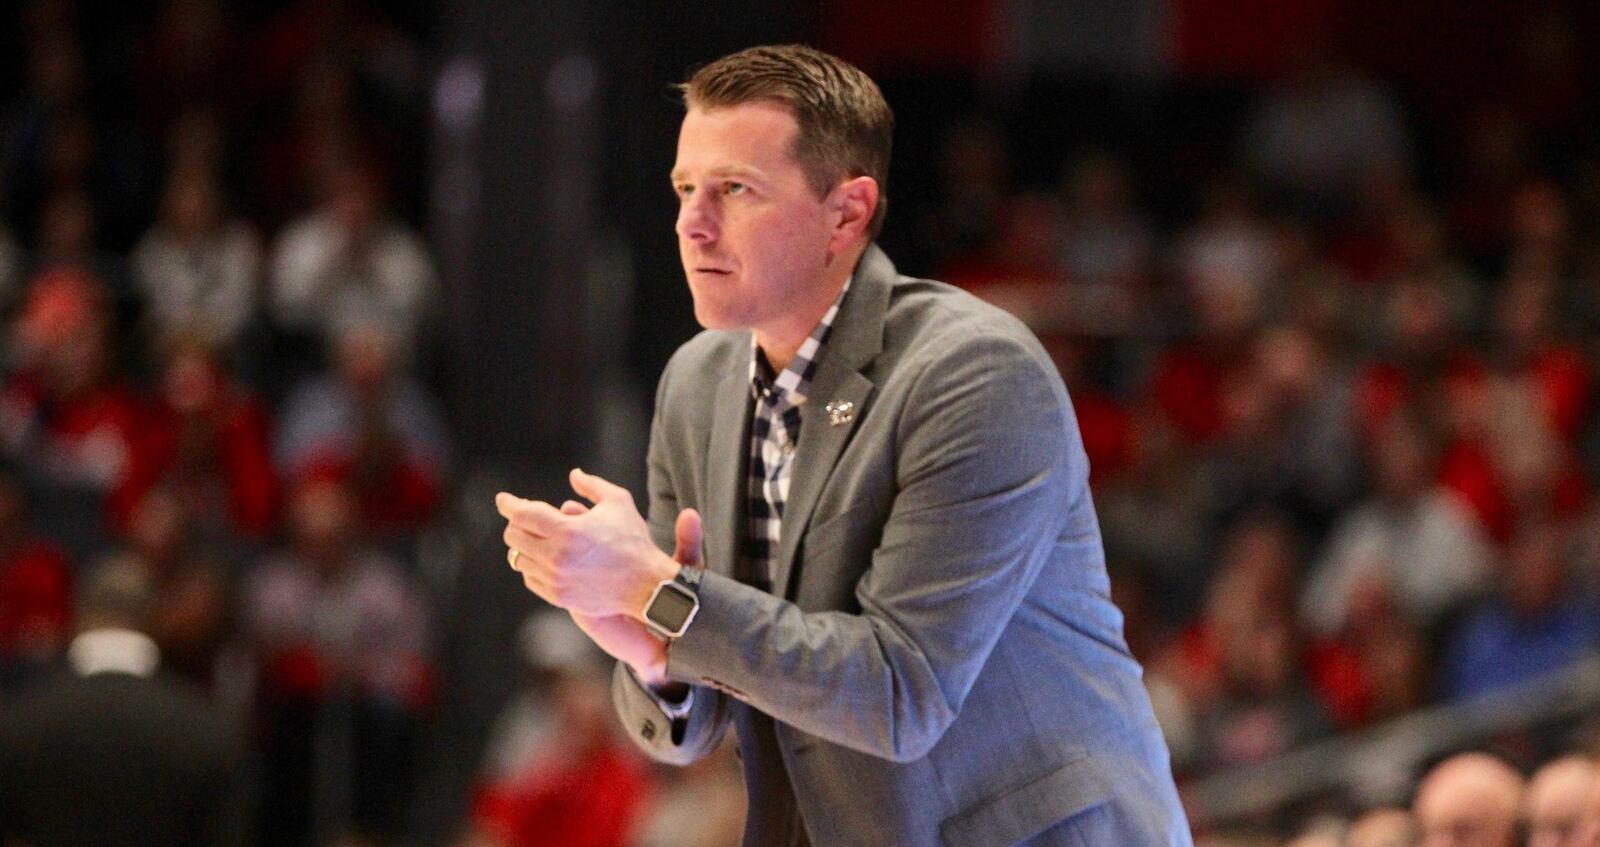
902	605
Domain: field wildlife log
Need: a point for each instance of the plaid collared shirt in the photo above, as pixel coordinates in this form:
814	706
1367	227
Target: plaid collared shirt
774	435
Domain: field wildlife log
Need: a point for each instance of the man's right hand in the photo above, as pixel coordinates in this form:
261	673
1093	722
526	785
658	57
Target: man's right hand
625	638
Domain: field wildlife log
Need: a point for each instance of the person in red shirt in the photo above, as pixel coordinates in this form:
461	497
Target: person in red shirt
64	413
208	443
35	590
570	780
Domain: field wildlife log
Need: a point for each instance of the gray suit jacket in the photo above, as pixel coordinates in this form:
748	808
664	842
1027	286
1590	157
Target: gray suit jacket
940	654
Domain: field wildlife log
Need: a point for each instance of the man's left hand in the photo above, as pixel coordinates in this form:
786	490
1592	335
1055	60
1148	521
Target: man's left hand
598	563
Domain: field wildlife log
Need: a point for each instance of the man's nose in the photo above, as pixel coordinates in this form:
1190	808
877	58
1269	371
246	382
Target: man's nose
697	221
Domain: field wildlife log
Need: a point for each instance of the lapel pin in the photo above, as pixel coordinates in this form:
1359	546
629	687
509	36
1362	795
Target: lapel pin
840	412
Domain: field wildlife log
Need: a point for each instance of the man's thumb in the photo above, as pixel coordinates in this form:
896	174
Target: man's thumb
687	551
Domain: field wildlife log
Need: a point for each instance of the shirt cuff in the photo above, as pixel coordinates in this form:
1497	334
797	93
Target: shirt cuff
675	710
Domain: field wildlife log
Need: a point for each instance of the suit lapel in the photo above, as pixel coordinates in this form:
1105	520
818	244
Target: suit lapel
856	340
726	458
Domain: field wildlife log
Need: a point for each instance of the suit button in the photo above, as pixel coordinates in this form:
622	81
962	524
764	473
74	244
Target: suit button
648	730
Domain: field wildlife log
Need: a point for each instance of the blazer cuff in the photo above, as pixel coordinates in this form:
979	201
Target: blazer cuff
711	653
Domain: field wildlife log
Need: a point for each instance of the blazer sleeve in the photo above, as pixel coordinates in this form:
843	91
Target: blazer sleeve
990	465
687	739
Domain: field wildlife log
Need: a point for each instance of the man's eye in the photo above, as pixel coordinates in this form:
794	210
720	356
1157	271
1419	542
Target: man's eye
735	188
683	190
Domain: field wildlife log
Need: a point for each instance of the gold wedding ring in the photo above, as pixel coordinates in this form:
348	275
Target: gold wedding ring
511	557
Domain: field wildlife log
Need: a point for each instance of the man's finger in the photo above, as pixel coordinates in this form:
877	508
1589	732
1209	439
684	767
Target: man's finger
573	508
689	535
535	516
527	542
505	502
595	489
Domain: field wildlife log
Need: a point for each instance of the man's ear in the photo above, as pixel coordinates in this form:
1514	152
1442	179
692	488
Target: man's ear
852	202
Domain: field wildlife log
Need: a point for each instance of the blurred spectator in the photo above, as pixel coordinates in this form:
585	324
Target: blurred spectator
575	782
1419	358
296	156
187	61
351	79
1489	160
1535	623
1225	261
65	416
195	144
1312	292
1534	399
1387	827
341	636
1018	270
1157	516
112	753
371	425
1540	228
69	238
1105	238
349	263
1396	239
1469	800
192	613
35	590
1553	804
208	444
1412	544
197	268
1319	134
1106	247
973	181
1228	256
1238	668
62	152
54	86
1376	667
1287	439
1103	422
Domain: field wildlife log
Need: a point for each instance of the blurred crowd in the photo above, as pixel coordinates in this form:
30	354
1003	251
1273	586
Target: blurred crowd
218	321
1338	407
212	310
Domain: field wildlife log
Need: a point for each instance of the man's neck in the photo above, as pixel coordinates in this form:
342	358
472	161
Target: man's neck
779	353
780	343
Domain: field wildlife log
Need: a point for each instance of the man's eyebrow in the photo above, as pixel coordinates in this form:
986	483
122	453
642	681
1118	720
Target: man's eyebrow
724	171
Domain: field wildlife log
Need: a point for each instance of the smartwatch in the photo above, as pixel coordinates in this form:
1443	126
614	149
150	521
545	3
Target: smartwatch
673	604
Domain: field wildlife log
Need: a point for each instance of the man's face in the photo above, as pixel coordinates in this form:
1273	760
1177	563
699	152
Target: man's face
753	236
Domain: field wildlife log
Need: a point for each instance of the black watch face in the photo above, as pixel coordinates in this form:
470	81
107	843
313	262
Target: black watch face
672	608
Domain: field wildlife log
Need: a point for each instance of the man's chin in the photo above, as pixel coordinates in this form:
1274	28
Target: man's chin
712	317
715	322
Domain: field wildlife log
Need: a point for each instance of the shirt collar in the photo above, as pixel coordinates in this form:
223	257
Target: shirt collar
790	387
113	650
